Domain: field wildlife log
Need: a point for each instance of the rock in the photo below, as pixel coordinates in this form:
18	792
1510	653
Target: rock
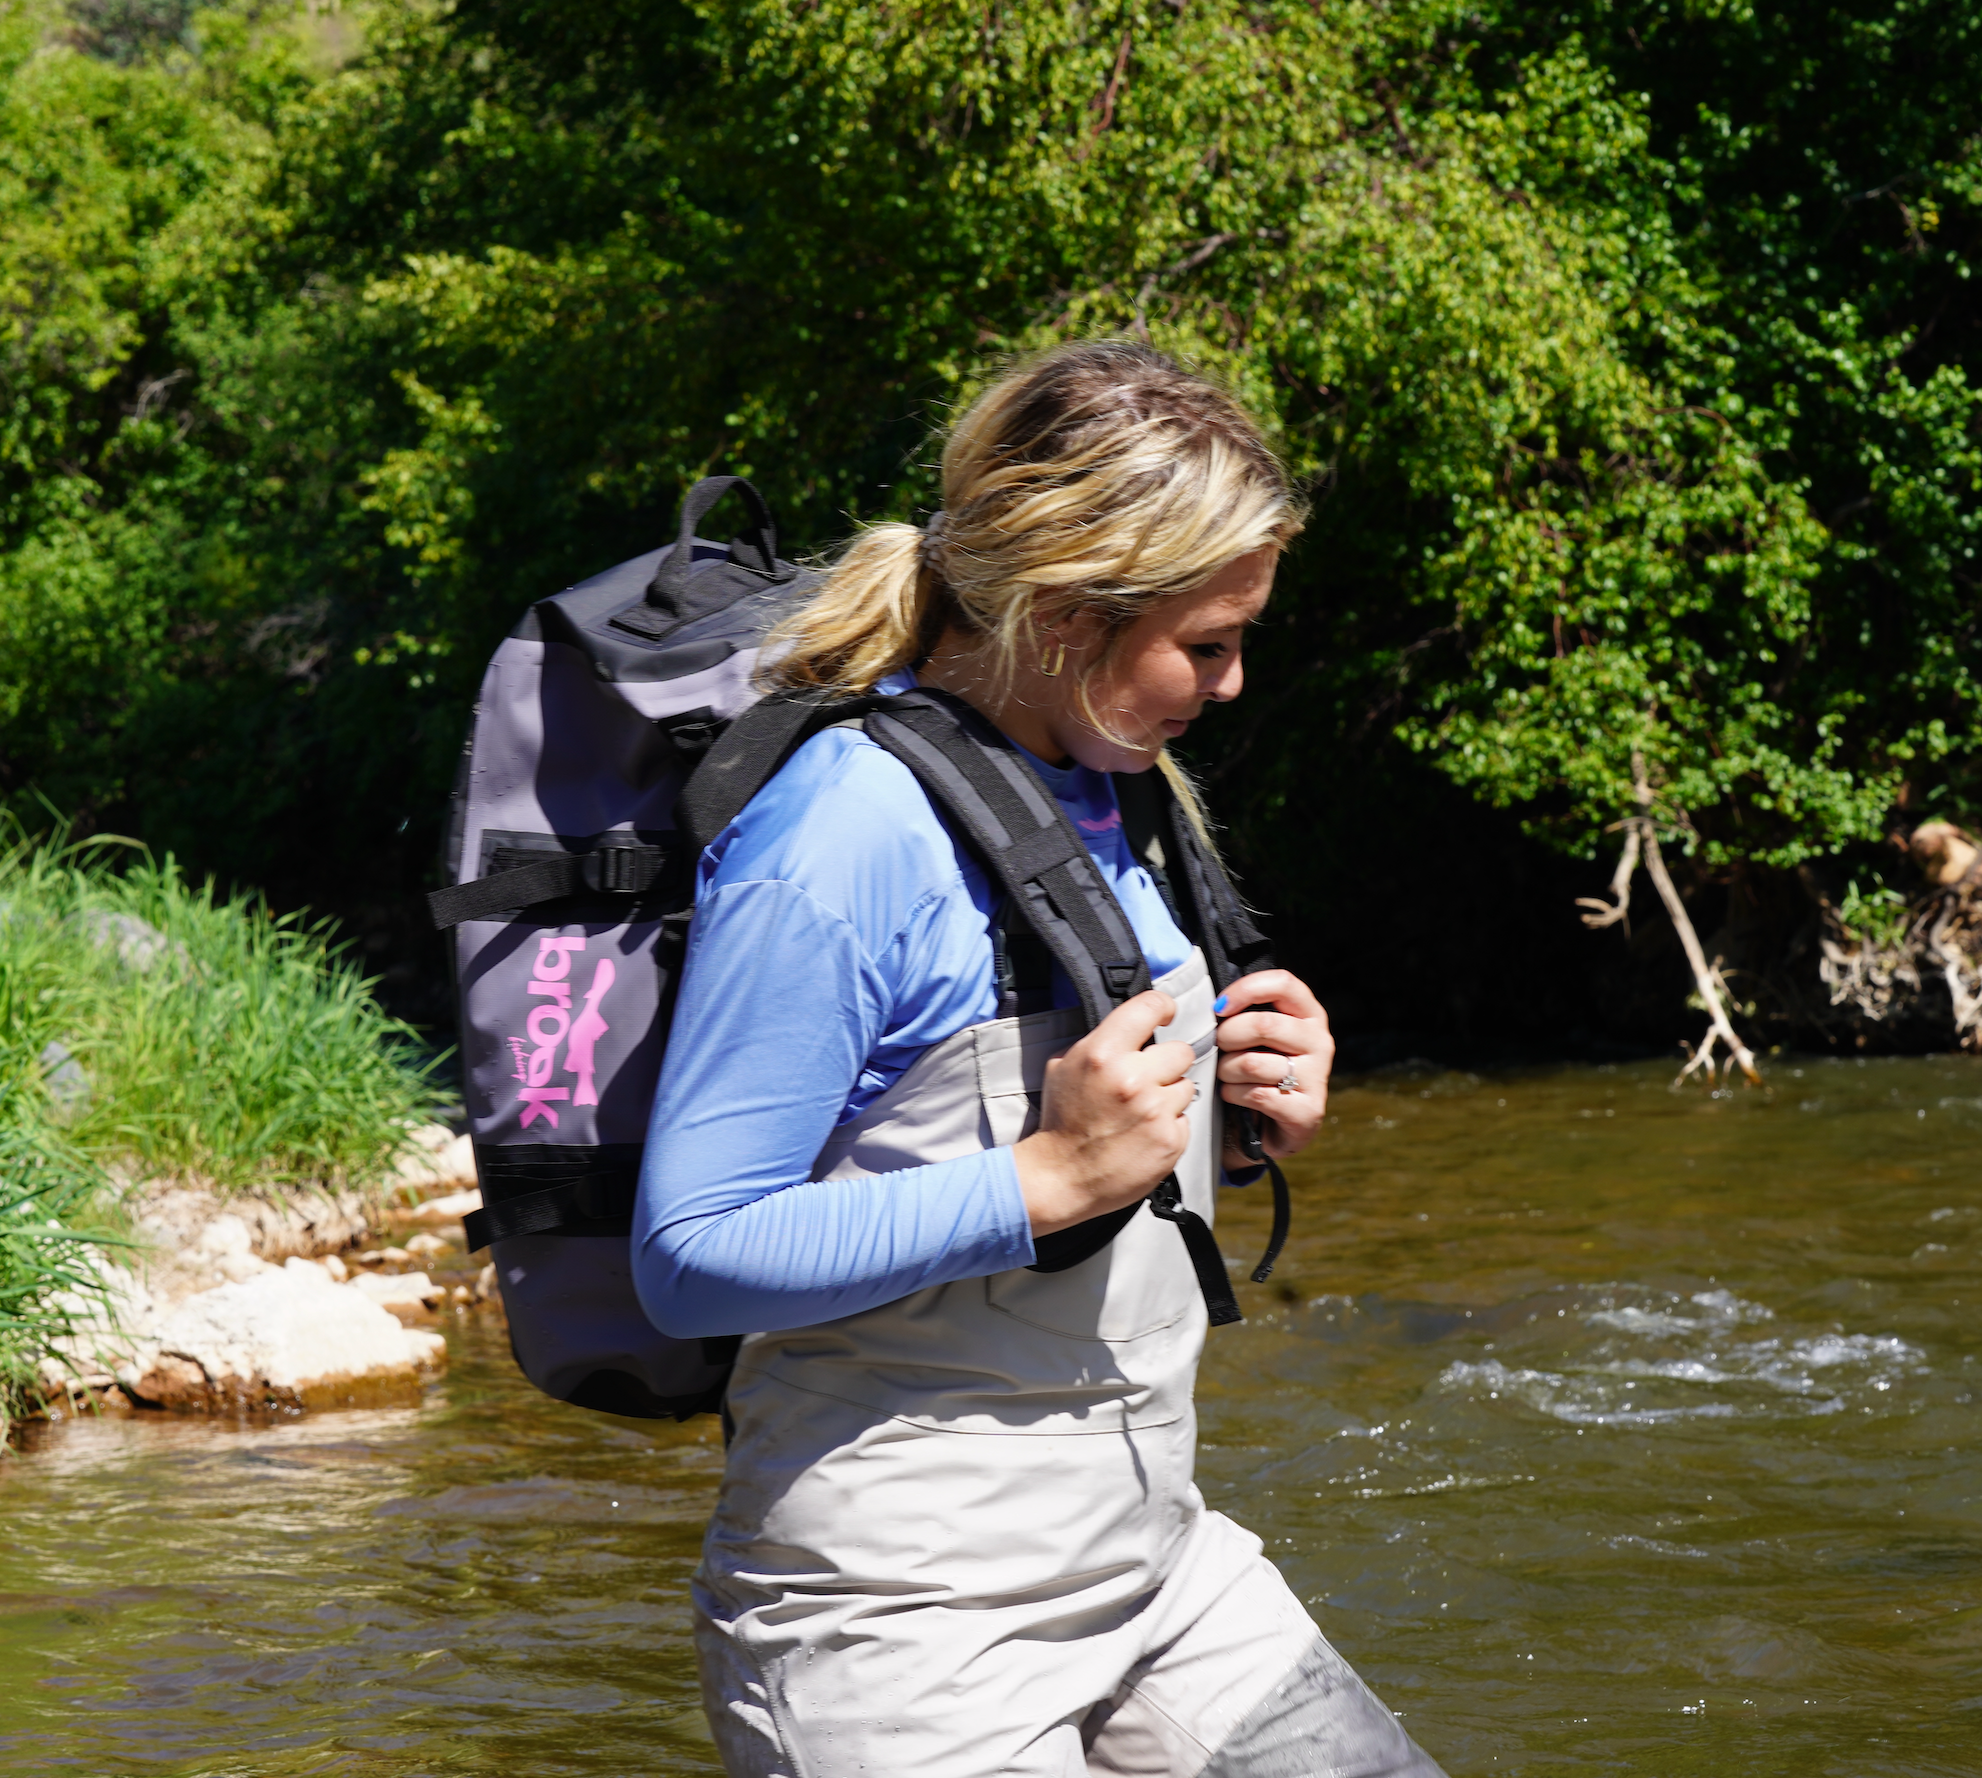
140	946
288	1338
435	1158
1944	852
485	1283
381	1256
404	1293
62	1075
425	1246
451	1208
335	1267
462	1296
191	1230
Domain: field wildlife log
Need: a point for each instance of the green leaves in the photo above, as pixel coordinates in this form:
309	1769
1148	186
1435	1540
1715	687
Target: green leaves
1633	369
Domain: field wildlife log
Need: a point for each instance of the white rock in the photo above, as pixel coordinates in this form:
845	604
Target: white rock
448	1209
288	1338
404	1293
335	1267
425	1246
435	1157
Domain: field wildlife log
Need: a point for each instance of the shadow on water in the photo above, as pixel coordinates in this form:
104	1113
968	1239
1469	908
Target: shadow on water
1607	1429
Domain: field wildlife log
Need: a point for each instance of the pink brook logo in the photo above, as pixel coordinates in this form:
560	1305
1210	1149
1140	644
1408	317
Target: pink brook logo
552	1023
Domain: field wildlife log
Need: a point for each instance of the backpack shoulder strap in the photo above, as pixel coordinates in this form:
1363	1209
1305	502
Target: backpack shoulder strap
975	776
749	754
1190	877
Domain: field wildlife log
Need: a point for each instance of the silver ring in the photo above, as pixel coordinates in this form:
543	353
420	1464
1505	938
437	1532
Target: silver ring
1290	1082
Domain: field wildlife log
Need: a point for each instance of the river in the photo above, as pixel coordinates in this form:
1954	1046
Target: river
1606	1429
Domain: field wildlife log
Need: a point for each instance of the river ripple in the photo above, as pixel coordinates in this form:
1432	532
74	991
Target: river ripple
1608	1430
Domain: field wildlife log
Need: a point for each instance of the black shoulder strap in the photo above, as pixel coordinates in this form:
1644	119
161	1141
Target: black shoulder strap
1189	876
1202	900
978	779
749	755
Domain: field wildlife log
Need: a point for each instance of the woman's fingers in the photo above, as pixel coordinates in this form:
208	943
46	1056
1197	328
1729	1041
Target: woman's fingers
1273	1030
1278	988
1277	1050
1268	1068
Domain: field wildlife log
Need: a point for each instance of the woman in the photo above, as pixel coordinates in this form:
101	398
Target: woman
958	1534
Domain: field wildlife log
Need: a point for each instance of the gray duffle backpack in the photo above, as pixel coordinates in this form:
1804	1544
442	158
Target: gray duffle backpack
618	732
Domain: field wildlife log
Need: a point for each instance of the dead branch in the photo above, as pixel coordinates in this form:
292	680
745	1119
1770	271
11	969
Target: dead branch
1641	840
1618	908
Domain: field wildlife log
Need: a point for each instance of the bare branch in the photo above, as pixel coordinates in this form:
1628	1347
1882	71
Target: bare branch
1618	908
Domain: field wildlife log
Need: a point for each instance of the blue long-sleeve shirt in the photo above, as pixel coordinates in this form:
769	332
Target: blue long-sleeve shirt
840	930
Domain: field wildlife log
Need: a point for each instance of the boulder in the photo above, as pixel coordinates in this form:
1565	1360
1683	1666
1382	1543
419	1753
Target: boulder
435	1158
451	1208
198	1240
290	1337
404	1293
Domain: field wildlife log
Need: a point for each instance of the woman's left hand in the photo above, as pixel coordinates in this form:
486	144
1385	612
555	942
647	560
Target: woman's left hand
1277	1054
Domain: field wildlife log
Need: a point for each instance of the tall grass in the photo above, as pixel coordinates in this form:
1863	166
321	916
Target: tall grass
150	1026
48	1192
209	1038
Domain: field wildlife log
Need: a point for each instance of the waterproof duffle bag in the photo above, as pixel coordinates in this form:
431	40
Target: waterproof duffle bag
619	730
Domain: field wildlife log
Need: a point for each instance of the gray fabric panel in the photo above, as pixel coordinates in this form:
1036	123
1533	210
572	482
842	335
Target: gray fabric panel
1321	1721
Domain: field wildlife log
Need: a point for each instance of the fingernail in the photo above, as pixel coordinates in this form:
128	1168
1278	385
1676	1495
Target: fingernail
1218	1005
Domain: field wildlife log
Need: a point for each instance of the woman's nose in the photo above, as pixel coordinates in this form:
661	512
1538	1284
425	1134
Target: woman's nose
1225	681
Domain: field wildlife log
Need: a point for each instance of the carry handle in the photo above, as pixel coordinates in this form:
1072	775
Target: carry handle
671	578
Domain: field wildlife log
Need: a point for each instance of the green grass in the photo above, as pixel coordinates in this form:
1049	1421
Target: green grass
48	1195
148	1025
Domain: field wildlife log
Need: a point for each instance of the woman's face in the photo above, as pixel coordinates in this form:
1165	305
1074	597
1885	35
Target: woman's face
1166	666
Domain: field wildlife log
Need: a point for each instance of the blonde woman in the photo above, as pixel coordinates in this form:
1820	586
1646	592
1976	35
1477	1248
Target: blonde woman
958	1534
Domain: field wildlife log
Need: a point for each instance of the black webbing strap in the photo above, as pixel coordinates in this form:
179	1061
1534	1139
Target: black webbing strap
975	775
1167	1201
1022	835
549	1188
519	879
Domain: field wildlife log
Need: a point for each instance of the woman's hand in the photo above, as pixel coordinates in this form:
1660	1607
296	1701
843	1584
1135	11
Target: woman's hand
1274	1025
1111	1121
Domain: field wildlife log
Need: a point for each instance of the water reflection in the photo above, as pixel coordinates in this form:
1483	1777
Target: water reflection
1607	1429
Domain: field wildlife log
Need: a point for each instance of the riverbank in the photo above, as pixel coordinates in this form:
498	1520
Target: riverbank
254	1302
201	1104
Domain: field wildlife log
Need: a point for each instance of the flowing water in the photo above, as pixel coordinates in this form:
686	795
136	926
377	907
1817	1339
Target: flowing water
1607	1430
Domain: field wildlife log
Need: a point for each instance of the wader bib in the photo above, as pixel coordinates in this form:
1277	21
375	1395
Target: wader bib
958	1535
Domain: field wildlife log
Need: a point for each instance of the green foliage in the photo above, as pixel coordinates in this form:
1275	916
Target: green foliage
47	1193
213	1039
1632	362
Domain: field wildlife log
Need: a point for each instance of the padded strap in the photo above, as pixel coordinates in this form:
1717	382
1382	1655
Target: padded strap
1023	837
749	755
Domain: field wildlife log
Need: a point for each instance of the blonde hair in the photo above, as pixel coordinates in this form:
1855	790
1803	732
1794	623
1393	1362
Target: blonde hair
1101	476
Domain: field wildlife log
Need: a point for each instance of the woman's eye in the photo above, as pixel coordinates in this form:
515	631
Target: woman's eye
1210	651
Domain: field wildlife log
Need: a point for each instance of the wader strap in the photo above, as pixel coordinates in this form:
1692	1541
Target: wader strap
1022	835
520	879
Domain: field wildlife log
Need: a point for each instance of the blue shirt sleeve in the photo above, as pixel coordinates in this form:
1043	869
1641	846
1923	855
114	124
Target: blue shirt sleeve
837	935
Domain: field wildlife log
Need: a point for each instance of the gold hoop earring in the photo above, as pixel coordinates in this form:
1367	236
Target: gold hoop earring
1053	660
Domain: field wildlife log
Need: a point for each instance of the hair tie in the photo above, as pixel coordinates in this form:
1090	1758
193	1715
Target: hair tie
932	540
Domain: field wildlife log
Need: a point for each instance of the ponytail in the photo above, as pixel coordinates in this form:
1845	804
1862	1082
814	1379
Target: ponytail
880	610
